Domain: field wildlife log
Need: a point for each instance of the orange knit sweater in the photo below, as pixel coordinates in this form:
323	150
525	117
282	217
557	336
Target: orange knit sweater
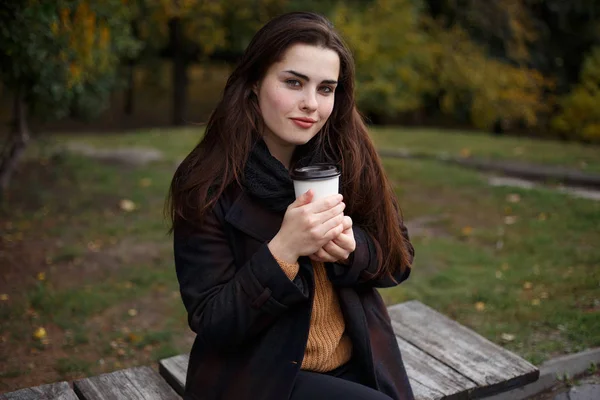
328	346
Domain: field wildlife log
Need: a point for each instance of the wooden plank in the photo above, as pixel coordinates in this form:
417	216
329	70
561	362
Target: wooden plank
174	371
139	383
431	377
493	368
422	392
53	391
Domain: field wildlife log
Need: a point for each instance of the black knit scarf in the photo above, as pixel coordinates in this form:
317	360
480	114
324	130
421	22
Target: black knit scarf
267	179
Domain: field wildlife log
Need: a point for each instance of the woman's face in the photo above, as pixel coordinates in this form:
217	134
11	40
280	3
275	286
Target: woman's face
296	95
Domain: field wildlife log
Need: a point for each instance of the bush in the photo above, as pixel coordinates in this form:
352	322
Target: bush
579	117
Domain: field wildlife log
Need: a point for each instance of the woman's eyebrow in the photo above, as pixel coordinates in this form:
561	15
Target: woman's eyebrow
306	78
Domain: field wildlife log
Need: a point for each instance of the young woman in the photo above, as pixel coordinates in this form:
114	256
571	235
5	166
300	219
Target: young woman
280	291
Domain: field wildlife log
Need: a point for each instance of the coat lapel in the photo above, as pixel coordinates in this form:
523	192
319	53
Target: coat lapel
250	217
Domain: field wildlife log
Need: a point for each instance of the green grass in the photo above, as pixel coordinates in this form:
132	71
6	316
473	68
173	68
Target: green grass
176	143
541	286
69	365
483	145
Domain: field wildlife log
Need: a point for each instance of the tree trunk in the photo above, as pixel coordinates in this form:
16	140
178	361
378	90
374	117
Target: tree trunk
129	93
131	63
16	142
179	72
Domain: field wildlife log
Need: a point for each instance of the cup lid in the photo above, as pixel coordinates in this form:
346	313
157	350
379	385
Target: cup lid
315	171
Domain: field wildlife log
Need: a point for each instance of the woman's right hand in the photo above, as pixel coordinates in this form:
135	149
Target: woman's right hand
307	226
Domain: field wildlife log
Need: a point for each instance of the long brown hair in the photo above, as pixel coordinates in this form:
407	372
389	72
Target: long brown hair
235	124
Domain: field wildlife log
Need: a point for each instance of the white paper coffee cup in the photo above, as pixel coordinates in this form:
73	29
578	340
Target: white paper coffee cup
323	179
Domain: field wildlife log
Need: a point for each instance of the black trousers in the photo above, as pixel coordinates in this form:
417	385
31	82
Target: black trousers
343	383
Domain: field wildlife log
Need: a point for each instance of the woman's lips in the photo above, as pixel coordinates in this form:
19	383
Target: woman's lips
303	122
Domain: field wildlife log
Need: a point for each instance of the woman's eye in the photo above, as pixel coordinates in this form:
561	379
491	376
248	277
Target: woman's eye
327	89
293	83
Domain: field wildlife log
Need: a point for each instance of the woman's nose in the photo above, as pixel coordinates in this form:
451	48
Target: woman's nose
309	102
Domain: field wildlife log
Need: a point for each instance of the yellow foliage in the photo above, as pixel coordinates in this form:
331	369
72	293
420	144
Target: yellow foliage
65	18
580	109
390	53
84	35
490	88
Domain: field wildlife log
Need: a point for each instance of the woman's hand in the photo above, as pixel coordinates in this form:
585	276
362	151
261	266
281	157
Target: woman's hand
307	226
338	249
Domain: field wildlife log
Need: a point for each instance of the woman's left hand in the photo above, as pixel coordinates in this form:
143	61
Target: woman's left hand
338	249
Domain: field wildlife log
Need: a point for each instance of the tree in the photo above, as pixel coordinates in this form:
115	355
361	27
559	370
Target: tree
489	89
391	53
58	58
192	31
580	109
404	57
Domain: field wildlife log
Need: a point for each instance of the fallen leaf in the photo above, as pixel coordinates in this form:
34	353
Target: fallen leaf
507	337
145	182
499	274
466	230
41	276
544	295
127	205
94	246
4	297
40	333
513	198
480	306
527	286
465	152
133	338
510	219
541	217
535	302
132	312
518	150
505	266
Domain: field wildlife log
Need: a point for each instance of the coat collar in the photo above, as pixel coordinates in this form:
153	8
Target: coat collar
247	215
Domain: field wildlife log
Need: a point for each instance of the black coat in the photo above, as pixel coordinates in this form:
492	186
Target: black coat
252	322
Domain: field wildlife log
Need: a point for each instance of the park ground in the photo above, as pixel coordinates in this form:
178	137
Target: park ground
88	285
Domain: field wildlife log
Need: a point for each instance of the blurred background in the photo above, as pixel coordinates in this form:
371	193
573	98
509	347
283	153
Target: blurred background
100	101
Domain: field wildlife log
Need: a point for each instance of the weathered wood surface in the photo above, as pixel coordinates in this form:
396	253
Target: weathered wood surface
492	368
53	391
430	378
139	383
174	370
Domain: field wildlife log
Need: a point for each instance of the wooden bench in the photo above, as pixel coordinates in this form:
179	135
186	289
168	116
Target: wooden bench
443	359
58	391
